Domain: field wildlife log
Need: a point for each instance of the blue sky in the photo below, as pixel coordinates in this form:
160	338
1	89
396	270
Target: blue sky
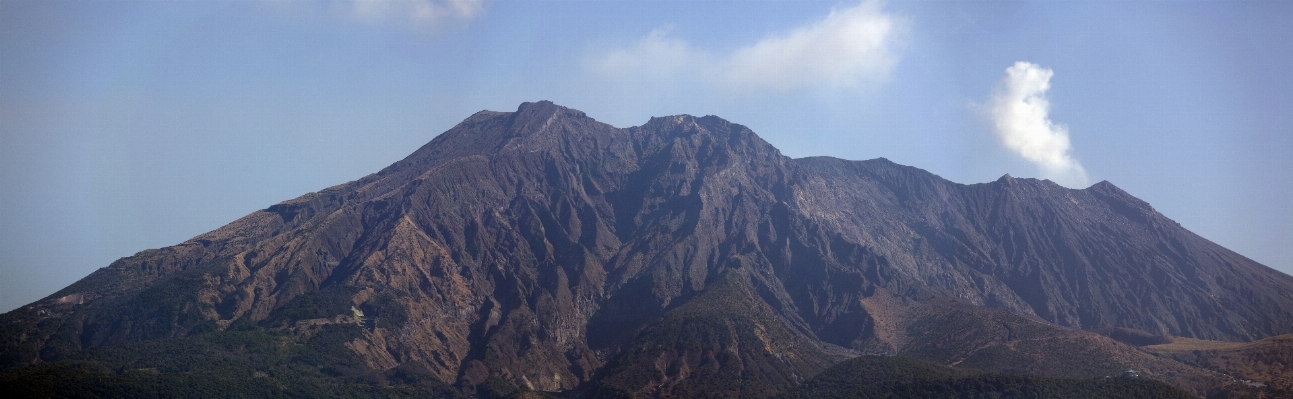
133	125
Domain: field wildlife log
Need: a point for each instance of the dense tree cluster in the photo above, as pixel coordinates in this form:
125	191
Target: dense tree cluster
225	364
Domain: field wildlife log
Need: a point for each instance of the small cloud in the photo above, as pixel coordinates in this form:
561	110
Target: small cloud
849	46
655	57
1020	118
415	12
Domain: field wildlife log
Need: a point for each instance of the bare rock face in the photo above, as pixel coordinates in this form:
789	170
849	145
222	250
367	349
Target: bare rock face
1089	258
542	249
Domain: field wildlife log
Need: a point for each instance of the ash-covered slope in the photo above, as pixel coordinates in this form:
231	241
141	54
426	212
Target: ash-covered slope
1089	258
543	249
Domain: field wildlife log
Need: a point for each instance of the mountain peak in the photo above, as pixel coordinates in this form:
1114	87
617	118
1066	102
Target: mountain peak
543	249
537	104
671	120
536	117
1115	195
546	109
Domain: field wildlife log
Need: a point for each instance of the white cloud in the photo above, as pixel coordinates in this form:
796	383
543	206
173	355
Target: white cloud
407	14
418	12
849	46
655	57
1020	118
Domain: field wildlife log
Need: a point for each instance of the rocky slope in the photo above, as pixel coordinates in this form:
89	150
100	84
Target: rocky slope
1258	369
542	249
894	377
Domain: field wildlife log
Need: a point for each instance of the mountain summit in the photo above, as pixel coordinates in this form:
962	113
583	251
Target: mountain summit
544	250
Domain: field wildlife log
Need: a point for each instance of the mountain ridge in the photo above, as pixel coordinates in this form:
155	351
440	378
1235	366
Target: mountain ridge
538	247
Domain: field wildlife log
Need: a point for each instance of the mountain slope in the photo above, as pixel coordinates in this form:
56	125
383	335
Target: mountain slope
723	342
1077	258
541	249
1262	368
889	377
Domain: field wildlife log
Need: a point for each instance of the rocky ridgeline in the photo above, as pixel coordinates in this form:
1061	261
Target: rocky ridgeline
542	249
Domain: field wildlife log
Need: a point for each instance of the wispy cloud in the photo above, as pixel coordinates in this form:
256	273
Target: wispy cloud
415	12
850	46
1020	118
656	57
404	14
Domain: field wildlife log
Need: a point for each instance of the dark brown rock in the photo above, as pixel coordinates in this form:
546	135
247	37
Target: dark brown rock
542	249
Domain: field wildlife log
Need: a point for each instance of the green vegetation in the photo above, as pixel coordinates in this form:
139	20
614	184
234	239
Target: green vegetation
321	304
1260	369
895	377
224	364
386	311
721	343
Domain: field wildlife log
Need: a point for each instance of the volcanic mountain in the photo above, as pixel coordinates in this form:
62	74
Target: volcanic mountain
543	250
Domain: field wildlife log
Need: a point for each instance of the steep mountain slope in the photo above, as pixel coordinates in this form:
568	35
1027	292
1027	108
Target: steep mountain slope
542	249
1089	258
723	342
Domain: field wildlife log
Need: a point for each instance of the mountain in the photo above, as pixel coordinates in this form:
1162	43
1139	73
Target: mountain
894	377
543	250
1258	369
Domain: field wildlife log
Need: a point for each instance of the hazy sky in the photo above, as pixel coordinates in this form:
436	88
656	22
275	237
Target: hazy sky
133	125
